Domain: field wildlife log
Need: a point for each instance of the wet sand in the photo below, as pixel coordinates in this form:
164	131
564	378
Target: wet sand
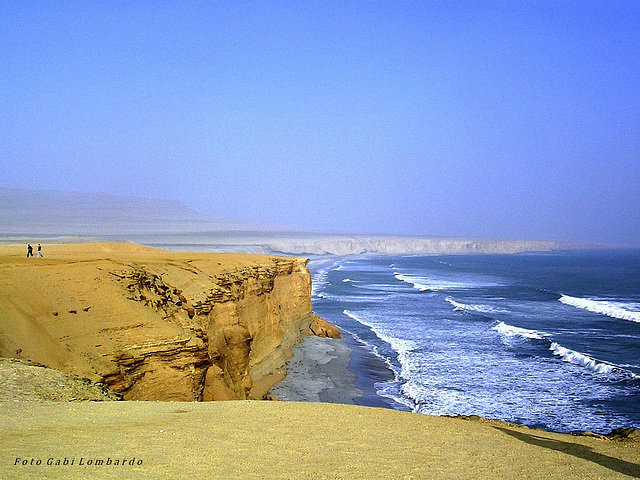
319	372
334	371
370	370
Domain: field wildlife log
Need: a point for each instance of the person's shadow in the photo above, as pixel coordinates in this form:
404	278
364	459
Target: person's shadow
577	450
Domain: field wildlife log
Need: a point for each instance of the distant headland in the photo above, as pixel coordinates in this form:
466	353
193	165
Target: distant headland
58	217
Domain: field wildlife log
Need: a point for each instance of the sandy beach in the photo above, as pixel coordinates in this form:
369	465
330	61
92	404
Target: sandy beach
319	372
334	371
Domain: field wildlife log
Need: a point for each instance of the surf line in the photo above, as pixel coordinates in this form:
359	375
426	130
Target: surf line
601	307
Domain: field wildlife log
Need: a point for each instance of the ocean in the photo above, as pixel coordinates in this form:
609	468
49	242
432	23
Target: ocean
545	340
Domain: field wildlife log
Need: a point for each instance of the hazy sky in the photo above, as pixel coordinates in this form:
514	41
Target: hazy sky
485	119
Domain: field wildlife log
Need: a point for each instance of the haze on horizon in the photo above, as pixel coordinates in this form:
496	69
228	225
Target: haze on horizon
512	120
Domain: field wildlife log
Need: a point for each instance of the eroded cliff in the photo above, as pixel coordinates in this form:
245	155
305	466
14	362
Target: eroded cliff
158	325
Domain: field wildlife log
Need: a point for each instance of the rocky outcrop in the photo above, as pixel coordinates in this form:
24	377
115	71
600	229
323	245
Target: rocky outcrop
321	328
168	370
157	325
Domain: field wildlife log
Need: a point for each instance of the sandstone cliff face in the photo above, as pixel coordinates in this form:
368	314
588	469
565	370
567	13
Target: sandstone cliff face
156	325
240	325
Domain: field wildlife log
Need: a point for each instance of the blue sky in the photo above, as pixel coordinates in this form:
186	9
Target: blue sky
485	119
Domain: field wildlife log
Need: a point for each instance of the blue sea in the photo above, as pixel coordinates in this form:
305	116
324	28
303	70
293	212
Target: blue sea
544	340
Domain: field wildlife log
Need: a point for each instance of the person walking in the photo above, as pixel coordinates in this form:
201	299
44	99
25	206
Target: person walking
39	254
29	250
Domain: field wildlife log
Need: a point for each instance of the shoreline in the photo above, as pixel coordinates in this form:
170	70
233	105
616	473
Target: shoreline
344	371
318	372
369	370
335	371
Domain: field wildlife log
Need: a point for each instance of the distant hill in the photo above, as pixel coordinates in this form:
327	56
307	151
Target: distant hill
31	215
52	213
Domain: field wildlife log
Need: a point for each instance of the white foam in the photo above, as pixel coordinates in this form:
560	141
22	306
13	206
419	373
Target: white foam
602	307
437	283
398	344
319	280
402	347
475	308
438	401
411	281
321	269
511	331
457	307
433	284
373	349
590	363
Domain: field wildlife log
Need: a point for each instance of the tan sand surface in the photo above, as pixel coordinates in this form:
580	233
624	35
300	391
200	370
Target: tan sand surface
27	381
289	440
67	311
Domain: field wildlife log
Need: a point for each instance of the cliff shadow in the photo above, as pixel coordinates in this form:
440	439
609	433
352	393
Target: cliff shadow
577	450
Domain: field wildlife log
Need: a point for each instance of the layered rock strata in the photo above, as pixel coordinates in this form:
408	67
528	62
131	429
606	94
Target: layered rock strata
158	325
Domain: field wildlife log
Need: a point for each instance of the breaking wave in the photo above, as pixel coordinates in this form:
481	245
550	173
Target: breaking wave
432	284
511	331
397	344
602	307
319	279
614	372
474	308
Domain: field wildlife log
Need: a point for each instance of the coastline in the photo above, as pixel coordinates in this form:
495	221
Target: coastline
53	428
318	372
334	371
369	370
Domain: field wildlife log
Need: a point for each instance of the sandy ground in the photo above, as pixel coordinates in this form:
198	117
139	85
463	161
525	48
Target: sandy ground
288	440
22	380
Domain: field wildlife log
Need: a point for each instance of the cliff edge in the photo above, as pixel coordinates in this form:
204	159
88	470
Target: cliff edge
157	325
